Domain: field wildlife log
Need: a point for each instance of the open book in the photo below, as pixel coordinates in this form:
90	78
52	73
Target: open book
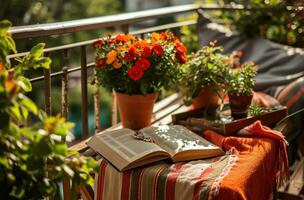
124	151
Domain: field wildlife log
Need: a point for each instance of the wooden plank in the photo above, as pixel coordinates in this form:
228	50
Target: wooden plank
297	179
286	196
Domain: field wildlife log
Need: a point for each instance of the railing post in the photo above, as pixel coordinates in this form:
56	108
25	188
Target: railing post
47	90
125	28
96	103
64	95
84	93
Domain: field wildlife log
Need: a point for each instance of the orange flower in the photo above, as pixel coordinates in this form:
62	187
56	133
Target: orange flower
155	37
10	84
121	48
117	64
163	36
123	38
111	57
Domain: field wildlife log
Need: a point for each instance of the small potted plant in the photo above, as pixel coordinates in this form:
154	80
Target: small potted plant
204	76
136	69
240	88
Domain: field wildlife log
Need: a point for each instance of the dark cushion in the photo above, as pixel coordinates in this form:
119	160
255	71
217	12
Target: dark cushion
277	64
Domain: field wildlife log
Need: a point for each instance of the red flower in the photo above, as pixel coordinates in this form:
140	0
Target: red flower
158	50
143	63
181	52
2	66
182	58
163	36
97	44
135	73
131	55
180	47
146	52
101	62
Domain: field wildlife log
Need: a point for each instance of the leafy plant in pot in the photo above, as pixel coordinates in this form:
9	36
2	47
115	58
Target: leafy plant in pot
136	69
204	76
240	88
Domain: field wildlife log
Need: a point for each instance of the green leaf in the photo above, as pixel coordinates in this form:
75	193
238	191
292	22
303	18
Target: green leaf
42	62
68	170
4	162
41	148
42	115
4	26
24	83
60	149
37	51
92	163
17	192
143	88
13	129
15	111
11	44
24	112
19	60
29	104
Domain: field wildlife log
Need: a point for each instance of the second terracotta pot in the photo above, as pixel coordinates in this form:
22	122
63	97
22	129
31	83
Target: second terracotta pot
239	105
135	110
207	96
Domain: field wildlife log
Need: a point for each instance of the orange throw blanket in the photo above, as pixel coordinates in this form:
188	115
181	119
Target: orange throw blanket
266	167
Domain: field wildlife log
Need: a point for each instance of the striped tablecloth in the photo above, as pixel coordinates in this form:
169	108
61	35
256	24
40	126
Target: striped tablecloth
247	171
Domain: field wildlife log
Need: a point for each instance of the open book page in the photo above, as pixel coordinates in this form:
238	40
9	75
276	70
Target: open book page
120	147
177	139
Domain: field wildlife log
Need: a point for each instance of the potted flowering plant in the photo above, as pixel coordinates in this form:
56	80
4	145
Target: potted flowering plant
137	68
204	76
240	88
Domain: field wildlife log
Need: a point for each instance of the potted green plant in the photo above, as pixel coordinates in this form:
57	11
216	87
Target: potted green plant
204	76
33	161
136	69
240	88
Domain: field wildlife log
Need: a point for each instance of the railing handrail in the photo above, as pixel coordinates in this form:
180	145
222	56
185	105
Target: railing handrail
73	26
97	22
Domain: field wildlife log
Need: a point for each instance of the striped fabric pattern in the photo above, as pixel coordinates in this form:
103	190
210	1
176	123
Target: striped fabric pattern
196	180
292	96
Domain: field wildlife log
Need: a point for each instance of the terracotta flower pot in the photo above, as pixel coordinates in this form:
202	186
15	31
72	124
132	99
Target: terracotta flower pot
207	96
239	105
135	110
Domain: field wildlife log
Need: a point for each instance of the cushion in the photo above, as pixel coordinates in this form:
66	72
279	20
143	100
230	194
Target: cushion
277	64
